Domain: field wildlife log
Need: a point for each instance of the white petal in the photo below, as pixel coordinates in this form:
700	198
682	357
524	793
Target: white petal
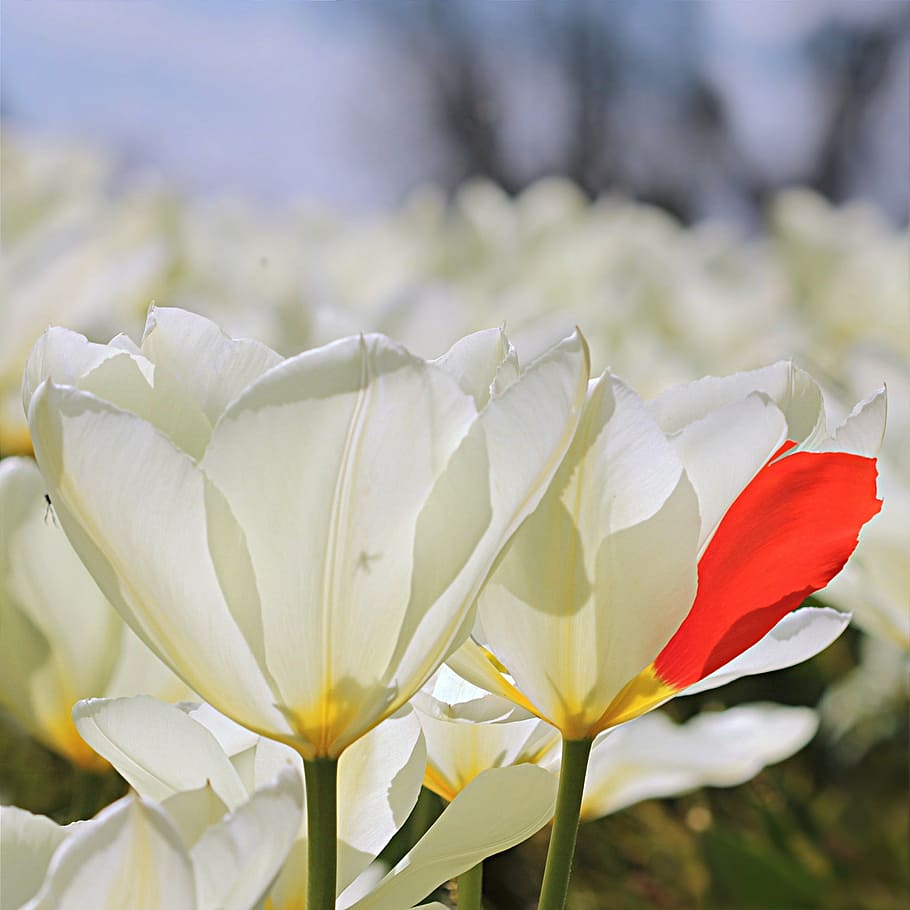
793	390
862	432
236	861
231	736
127	380
129	855
347	442
157	747
448	696
599	578
458	751
653	757
499	809
140	672
379	780
210	366
797	637
26	847
60	638
63	357
478	361
724	450
135	509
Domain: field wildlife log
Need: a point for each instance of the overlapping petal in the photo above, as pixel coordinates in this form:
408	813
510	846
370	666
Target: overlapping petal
774	523
59	638
314	602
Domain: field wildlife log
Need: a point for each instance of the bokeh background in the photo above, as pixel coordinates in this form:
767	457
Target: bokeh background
299	170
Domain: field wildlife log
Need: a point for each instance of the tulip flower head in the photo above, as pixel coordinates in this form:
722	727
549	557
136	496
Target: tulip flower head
302	540
675	536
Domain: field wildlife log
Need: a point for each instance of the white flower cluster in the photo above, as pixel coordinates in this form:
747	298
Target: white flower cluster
417	571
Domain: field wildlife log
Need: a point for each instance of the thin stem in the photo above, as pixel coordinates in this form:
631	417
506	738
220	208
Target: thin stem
556	873
322	823
470	888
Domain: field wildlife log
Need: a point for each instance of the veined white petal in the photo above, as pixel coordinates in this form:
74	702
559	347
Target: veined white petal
63	357
793	390
129	855
797	637
379	780
57	651
129	381
210	366
478	361
26	847
862	432
133	507
448	696
599	578
458	751
724	450
511	454
653	757
157	748
497	810
347	441
236	860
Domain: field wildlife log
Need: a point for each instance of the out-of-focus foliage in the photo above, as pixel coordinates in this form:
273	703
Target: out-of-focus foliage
660	303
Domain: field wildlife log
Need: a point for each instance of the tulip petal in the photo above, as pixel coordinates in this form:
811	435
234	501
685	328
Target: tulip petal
129	381
481	361
797	637
347	440
237	860
63	356
577	604
379	780
724	450
26	847
157	748
209	365
862	432
51	654
129	855
786	536
139	524
497	810
85	639
793	390
458	751
653	757
511	454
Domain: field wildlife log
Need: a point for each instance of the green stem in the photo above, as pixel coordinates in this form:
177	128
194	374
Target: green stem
556	873
470	888
321	776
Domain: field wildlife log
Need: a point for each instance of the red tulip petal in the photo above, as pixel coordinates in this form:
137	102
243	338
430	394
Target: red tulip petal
787	535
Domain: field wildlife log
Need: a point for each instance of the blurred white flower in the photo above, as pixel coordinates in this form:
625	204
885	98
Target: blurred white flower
164	751
146	856
60	640
645	758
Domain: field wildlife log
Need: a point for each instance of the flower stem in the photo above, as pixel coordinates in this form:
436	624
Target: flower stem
321	776
470	888
556	874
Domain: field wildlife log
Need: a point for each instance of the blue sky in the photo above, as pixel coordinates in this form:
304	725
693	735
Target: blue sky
281	99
